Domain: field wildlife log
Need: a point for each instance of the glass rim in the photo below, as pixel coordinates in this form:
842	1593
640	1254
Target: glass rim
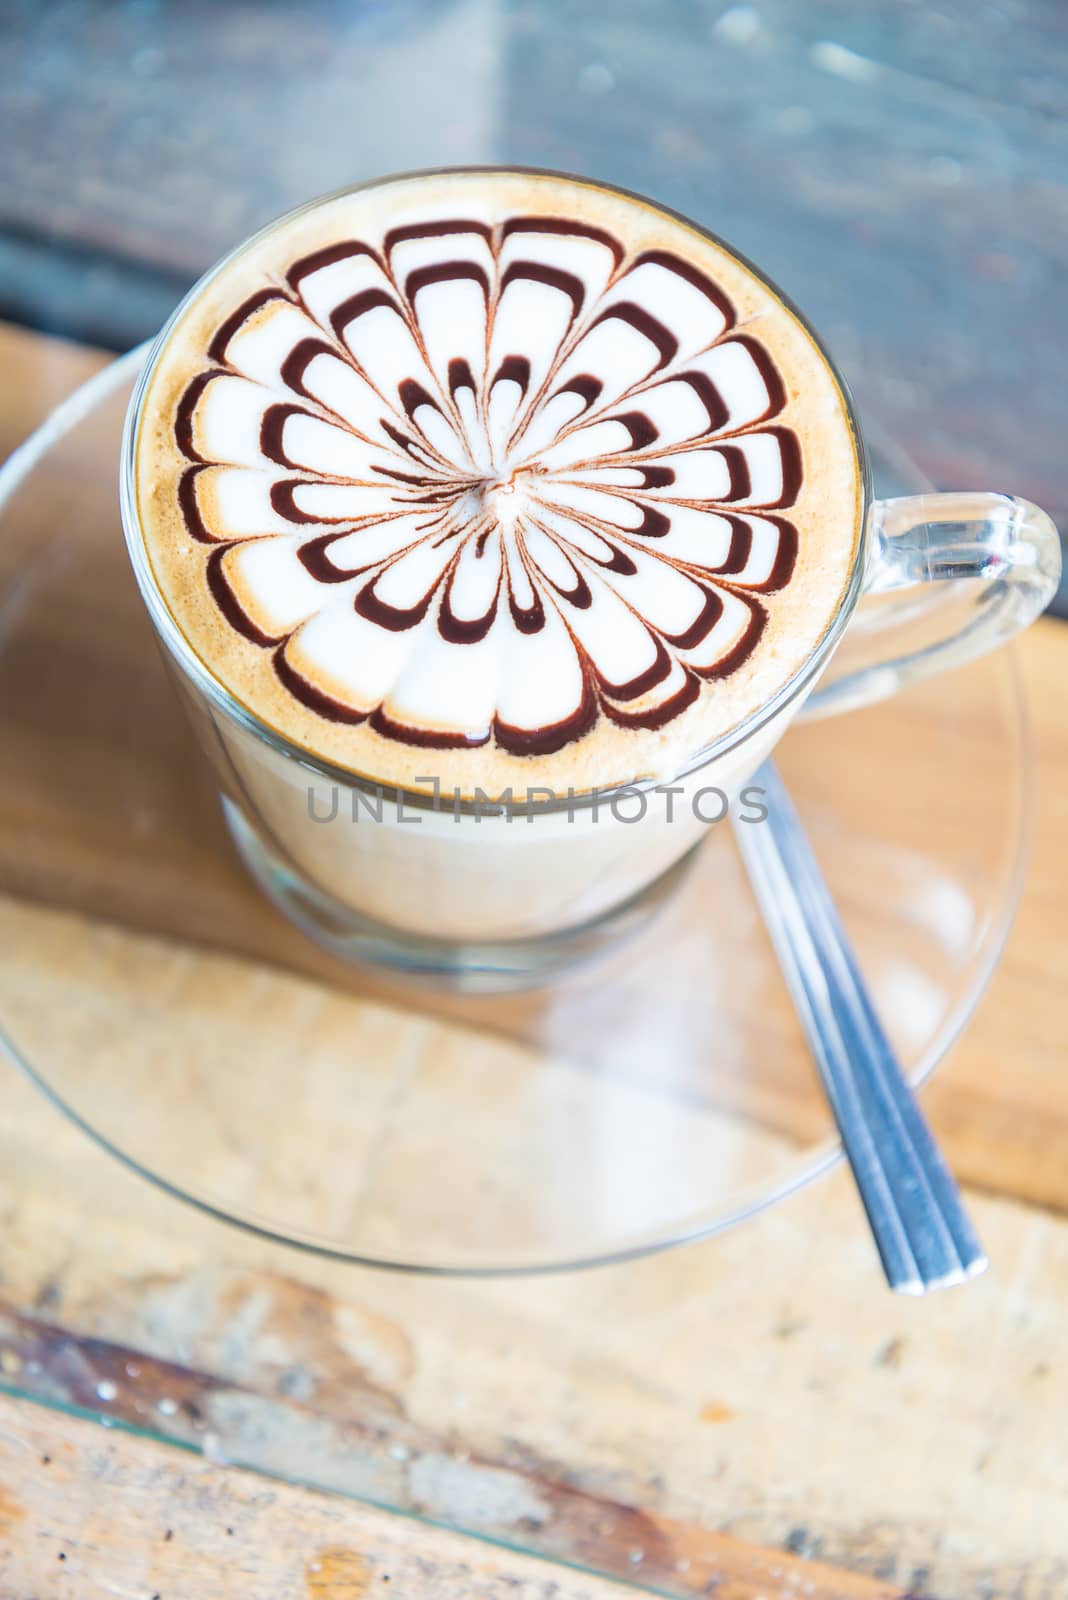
223	699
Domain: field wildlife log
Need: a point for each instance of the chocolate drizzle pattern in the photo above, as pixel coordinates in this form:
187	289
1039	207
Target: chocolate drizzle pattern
491	483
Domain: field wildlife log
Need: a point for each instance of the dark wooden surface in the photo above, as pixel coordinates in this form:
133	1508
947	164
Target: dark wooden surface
901	169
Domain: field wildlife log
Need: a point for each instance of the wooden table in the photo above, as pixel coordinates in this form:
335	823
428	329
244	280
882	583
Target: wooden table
749	1417
899	169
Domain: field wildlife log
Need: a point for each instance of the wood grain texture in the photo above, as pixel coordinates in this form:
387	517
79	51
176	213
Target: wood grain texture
94	1515
739	1410
751	1416
106	807
127	1511
899	169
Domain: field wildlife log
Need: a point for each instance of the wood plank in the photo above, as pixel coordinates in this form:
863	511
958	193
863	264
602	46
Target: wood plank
116	1514
106	807
739	1412
39	372
761	1386
901	171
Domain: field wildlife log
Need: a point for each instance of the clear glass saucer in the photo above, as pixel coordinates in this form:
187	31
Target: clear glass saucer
655	1096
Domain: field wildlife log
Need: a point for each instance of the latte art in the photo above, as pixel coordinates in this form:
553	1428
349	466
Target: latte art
492	478
518	482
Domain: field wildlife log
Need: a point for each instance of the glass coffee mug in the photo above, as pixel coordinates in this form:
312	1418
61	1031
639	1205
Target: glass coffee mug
489	892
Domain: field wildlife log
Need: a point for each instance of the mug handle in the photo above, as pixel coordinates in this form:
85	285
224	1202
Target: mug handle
949	576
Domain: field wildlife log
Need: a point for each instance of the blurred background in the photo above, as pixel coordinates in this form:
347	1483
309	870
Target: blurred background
900	168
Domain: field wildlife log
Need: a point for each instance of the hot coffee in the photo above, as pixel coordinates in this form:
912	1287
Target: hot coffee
504	479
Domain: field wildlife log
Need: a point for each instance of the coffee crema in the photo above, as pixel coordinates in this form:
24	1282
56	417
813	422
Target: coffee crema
496	479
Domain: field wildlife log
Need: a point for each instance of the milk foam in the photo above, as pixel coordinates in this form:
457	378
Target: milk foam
509	469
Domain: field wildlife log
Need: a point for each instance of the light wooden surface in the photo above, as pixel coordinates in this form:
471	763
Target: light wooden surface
94	1514
753	1416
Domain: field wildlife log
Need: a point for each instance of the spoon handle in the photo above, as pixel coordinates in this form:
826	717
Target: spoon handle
923	1233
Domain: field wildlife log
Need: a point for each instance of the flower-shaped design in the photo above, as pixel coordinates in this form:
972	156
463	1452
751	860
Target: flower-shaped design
491	483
